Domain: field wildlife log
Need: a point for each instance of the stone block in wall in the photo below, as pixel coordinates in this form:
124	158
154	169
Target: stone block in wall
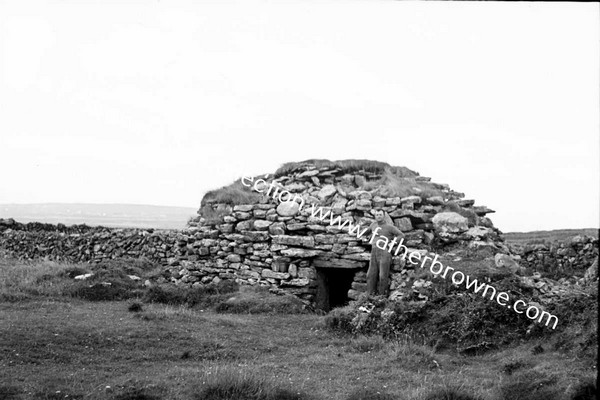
225	228
234	258
324	239
243	207
358	256
360	287
277	228
293	270
298	282
392	201
306	272
239	250
305	241
296	226
403	224
262	225
336	263
361	205
353	294
243	226
242	215
315	228
288	209
261	253
360	276
426	226
209	242
256	263
326	192
259	213
339	205
248	273
256	236
269	274
354	249
300	253
339	248
277	247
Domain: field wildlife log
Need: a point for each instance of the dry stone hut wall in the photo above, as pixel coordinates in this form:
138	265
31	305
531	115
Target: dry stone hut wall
274	243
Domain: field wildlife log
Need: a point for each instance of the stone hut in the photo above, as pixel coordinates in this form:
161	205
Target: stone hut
279	238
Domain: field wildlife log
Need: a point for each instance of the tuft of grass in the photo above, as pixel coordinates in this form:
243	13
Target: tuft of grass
367	344
345	166
370	394
229	384
450	394
233	194
253	300
413	356
585	390
341	319
203	296
137	394
23	280
393	185
19	280
530	385
214	215
10	392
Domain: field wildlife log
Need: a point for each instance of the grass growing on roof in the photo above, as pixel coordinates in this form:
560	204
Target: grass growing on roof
395	181
233	194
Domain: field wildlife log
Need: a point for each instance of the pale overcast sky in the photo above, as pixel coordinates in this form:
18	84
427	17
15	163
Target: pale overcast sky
156	102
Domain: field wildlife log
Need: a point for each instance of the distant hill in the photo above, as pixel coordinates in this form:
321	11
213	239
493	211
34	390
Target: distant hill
110	215
558	235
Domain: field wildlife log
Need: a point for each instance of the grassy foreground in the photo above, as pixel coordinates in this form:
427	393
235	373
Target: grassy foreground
54	344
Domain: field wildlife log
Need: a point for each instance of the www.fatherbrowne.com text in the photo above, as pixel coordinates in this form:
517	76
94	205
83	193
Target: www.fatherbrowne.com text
396	248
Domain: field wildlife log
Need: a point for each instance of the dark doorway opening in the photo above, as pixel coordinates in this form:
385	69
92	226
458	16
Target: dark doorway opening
332	287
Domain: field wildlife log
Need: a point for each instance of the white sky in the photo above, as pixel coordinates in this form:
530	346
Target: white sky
156	102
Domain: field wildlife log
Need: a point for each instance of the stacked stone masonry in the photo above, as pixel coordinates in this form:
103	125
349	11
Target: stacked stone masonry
271	243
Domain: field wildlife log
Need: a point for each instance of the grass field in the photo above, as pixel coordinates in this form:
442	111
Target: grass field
558	235
55	345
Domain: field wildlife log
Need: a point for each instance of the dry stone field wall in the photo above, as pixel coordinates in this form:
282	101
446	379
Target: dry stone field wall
81	243
575	257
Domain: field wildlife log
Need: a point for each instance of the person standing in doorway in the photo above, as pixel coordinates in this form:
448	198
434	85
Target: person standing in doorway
378	274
